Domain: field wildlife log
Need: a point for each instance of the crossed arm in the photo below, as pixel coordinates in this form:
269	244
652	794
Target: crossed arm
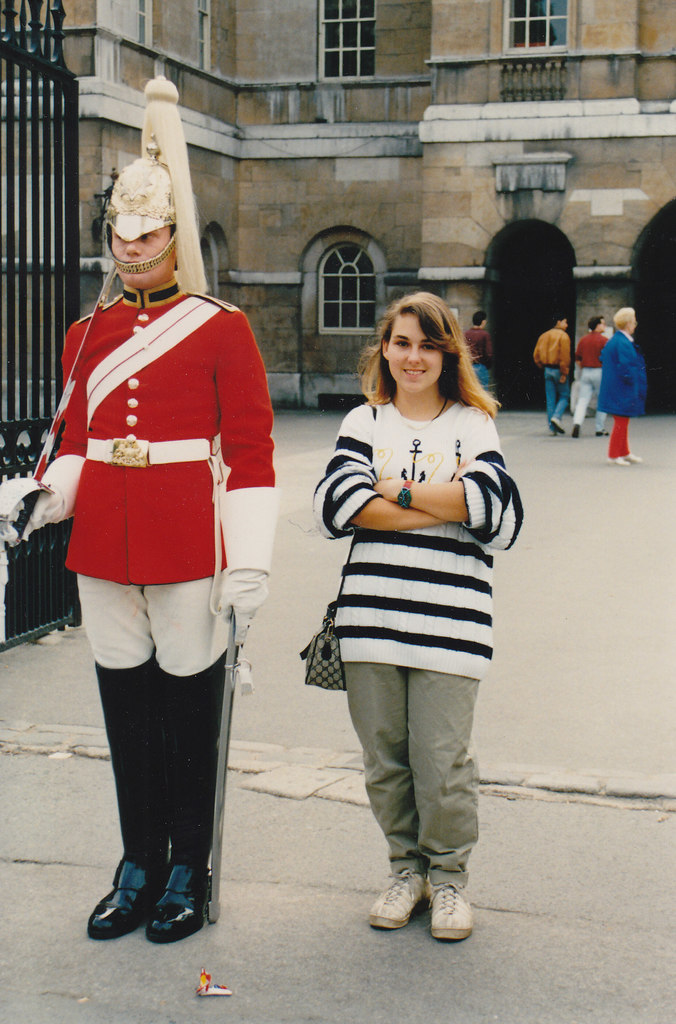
431	504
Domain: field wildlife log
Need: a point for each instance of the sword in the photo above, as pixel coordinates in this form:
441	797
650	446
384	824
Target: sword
19	495
233	669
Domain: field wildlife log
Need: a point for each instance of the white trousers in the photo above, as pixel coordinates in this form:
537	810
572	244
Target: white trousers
126	624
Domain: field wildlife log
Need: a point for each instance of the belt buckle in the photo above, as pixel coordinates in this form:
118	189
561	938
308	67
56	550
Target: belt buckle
130	453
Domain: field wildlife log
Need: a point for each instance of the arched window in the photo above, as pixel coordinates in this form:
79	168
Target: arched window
347	290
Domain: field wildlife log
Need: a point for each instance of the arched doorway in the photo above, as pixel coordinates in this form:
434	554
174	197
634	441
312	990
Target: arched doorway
530	281
655	266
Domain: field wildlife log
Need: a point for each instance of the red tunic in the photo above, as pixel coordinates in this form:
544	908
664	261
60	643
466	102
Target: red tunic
156	524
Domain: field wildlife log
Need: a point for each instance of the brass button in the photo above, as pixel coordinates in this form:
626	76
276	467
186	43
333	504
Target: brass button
143	316
132	383
132	421
132	403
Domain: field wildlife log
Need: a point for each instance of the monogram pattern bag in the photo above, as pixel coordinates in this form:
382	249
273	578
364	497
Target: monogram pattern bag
323	664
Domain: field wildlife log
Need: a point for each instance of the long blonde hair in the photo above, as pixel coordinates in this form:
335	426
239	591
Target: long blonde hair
457	382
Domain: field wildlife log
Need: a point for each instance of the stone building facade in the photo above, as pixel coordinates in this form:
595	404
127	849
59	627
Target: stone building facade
513	155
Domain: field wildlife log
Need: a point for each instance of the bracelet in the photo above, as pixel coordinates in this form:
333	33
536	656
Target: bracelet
404	497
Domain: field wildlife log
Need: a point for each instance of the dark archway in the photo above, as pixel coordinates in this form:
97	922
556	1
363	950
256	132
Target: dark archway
530	281
655	268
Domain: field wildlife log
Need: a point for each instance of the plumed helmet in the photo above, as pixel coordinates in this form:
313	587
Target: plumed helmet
142	199
156	191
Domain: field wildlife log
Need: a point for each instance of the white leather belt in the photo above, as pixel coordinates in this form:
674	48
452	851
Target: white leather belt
136	454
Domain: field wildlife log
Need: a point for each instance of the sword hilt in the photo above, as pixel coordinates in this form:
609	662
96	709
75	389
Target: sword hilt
21	521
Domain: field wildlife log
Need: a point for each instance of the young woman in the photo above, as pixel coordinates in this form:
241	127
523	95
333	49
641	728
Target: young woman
418	479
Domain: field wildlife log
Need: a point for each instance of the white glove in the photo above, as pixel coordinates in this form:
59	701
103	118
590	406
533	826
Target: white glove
244	590
53	505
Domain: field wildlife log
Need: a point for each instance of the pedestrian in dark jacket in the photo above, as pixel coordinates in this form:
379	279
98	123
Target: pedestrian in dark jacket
623	385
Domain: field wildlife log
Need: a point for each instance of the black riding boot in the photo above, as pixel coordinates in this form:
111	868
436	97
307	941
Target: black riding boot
129	699
192	708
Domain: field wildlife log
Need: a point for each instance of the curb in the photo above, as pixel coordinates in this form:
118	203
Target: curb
298	773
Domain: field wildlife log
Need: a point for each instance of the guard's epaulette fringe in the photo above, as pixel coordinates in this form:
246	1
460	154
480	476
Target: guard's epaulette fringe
217	302
112	302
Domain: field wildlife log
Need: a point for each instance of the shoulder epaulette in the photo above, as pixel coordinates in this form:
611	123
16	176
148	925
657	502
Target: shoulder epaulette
84	319
228	306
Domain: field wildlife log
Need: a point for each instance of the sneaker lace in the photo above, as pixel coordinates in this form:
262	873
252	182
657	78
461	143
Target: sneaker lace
398	886
446	897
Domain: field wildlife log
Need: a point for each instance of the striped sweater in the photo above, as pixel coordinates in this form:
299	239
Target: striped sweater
419	598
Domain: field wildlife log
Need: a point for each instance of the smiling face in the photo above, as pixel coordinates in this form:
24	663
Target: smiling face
414	361
138	251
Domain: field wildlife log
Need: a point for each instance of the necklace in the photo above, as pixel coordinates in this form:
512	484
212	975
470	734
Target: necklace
421	424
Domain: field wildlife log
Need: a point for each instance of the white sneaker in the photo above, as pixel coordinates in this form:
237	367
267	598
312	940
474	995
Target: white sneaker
451	913
619	462
633	458
394	907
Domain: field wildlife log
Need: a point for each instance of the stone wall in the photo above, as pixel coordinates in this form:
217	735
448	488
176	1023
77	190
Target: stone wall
426	165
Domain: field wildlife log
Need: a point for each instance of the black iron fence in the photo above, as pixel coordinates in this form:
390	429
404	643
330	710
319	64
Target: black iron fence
39	290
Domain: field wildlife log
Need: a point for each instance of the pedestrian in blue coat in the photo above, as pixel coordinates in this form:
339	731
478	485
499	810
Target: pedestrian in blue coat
623	385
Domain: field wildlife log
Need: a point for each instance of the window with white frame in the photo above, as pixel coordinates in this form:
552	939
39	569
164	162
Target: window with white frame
144	27
347	290
132	19
204	33
533	24
348	40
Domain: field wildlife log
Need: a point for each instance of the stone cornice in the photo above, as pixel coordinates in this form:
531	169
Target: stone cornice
545	120
119	104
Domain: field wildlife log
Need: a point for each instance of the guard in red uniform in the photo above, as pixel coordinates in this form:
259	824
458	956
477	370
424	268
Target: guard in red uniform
166	467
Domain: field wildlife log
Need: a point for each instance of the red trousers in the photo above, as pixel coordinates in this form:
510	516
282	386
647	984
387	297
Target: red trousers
618	446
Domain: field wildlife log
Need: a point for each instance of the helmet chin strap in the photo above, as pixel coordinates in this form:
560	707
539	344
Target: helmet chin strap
145	265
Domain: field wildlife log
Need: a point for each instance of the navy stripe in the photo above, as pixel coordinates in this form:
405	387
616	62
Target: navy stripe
335	497
410	539
441	611
405	572
414	639
351	444
491	457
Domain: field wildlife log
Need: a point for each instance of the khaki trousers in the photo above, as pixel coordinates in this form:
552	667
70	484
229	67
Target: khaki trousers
415	728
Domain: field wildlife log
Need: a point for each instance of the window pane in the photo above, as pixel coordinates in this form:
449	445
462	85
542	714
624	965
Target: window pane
332	65
558	8
367	64
368	289
331	314
331	9
350	30
367	314
332	38
349	9
331	289
519	34
350	253
349	315
333	263
349	287
538	33
518	8
367	8
557	32
368	34
363	263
